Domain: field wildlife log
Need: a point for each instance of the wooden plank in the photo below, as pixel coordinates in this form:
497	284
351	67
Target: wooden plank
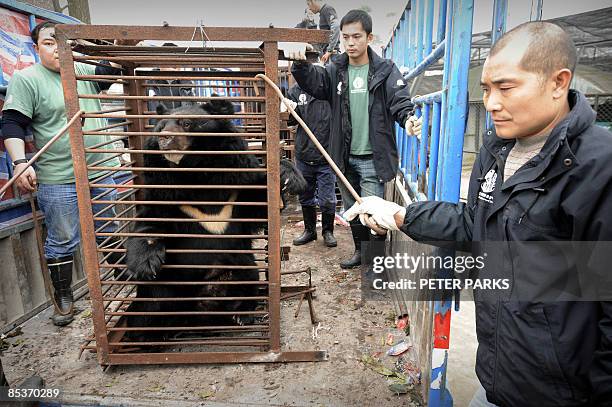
35	276
9	289
22	272
110	32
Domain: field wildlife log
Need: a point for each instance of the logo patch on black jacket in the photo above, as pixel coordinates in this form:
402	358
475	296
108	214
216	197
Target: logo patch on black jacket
488	186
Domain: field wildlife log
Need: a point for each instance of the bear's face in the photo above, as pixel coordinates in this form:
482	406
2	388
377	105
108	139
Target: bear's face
173	134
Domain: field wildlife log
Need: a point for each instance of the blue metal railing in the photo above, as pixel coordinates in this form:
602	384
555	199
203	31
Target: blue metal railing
412	47
431	166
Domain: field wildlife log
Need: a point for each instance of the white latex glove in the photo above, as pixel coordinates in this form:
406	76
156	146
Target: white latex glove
283	106
382	212
297	51
414	126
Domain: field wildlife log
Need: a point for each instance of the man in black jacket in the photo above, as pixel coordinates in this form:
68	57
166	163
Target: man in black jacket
368	95
317	172
540	195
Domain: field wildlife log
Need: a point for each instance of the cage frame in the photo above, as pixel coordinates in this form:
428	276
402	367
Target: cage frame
269	39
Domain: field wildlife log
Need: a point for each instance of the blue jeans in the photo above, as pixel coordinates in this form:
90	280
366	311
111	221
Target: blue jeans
361	174
321	187
58	202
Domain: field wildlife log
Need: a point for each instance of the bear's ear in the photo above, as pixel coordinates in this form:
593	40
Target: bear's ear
161	109
218	106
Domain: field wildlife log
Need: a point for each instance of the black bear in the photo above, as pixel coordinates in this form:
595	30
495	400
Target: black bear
146	255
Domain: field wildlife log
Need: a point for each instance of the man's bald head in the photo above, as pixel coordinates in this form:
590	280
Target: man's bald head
548	48
526	78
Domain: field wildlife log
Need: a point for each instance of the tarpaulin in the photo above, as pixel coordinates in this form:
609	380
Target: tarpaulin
16	53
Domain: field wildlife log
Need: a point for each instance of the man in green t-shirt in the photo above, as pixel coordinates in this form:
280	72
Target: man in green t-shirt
35	100
368	95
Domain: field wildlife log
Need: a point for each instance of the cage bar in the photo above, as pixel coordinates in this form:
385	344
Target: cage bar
230	73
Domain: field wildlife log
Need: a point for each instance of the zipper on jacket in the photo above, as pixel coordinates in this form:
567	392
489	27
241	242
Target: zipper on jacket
499	304
539	191
497	312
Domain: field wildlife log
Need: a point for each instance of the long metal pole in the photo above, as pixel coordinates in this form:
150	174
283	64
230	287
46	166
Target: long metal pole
500	13
540	6
40	152
321	149
459	42
314	140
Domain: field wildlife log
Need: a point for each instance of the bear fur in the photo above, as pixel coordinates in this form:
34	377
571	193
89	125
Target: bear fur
146	255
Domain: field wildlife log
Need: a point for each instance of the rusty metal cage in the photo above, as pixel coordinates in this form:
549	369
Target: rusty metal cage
233	69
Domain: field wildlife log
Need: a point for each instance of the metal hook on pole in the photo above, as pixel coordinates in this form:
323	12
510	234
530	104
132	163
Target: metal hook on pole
321	149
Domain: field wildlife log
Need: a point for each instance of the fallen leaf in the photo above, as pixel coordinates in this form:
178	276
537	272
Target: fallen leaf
157	388
19	342
16	332
390	318
400	388
206	394
376	366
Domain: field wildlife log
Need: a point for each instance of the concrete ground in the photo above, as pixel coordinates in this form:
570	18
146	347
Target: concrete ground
350	328
462	380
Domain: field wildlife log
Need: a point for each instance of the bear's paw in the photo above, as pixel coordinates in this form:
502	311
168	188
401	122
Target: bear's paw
144	258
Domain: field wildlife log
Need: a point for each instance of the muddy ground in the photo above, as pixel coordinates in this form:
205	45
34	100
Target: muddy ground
350	328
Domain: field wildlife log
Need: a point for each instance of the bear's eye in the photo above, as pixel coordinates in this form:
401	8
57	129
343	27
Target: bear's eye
186	124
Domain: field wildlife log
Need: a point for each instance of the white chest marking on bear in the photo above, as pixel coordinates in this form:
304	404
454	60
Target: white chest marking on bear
210	222
175	158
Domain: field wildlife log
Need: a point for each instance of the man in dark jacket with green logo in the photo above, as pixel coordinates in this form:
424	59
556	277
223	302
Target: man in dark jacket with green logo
368	95
317	172
540	197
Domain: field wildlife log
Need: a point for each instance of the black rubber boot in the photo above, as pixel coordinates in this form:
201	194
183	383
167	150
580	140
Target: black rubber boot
310	226
376	248
360	234
61	276
327	229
